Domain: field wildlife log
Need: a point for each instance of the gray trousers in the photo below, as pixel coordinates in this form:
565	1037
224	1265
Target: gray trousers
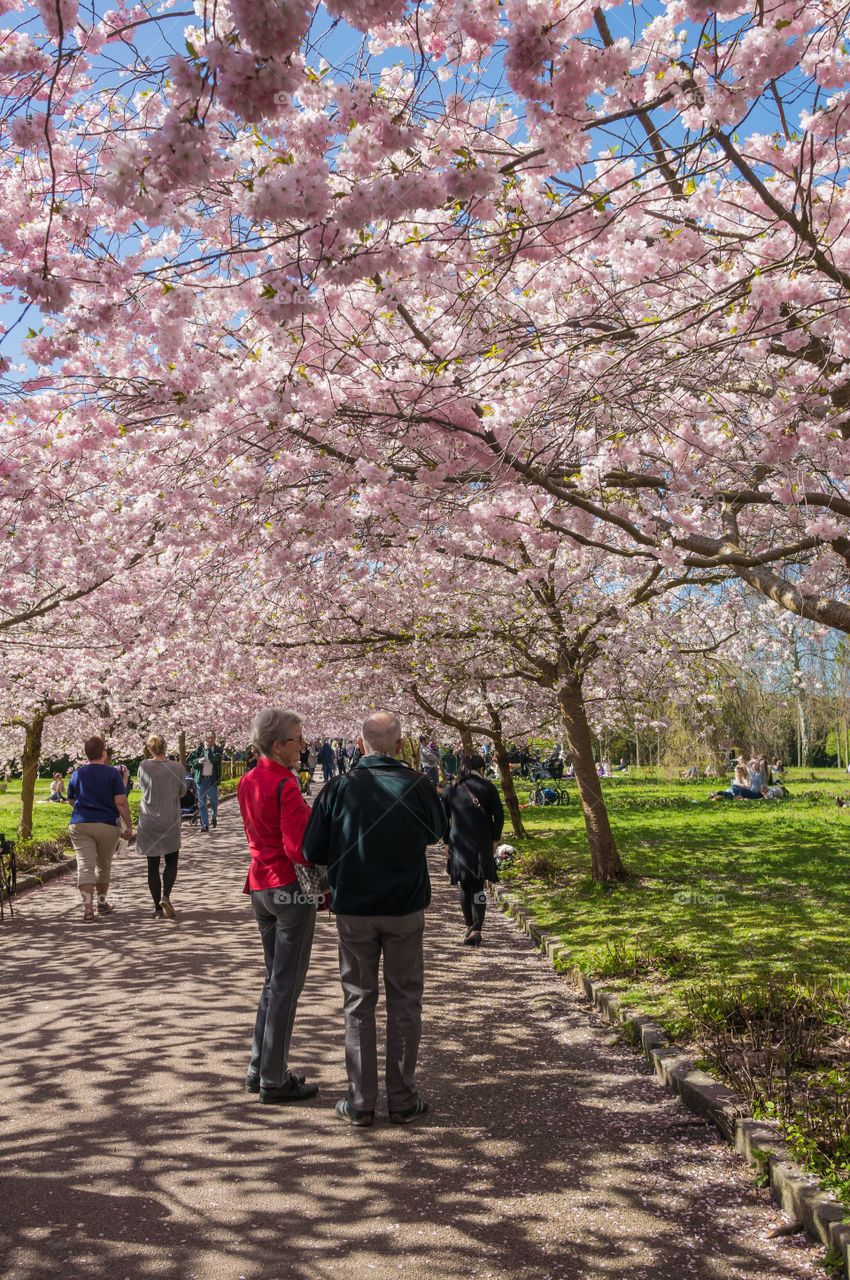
362	941
286	928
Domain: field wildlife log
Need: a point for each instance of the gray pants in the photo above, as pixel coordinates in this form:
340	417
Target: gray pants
286	928
362	940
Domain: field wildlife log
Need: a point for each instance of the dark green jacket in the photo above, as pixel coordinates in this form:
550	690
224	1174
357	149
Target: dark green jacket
370	828
196	760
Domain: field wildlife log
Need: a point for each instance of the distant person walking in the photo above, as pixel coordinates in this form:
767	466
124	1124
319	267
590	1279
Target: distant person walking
97	793
476	818
429	760
370	828
205	763
327	759
275	814
162	782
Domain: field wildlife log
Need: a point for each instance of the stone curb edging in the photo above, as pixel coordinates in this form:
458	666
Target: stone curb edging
39	877
54	870
760	1142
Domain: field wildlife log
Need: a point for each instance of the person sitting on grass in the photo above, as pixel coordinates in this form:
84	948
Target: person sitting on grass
758	774
57	789
774	792
740	788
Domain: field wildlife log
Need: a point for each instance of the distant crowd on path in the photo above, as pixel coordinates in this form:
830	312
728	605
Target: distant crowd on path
756	779
361	851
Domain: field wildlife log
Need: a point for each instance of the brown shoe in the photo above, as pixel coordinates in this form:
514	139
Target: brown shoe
168	909
105	908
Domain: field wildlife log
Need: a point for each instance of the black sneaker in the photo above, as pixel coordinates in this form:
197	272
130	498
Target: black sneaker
252	1083
214	822
293	1091
158	913
360	1119
204	828
419	1108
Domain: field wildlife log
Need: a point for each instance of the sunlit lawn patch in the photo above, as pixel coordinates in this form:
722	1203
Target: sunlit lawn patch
739	888
723	896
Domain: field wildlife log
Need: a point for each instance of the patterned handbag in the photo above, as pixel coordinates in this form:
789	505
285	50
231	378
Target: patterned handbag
312	879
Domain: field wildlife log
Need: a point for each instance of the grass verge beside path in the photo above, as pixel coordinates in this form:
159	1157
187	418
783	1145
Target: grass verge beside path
49	824
725	898
50	821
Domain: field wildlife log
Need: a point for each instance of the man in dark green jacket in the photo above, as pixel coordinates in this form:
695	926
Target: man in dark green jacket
205	763
370	828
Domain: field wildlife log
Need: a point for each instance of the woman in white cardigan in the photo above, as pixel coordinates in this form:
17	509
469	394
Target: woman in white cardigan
162	782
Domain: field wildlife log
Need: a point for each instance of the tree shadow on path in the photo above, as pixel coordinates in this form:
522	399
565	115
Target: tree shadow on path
130	1148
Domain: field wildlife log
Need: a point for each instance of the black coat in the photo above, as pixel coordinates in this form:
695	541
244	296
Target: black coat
474	827
370	828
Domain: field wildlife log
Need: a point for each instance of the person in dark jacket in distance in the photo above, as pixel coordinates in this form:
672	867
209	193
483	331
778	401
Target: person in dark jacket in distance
370	828
327	759
476	817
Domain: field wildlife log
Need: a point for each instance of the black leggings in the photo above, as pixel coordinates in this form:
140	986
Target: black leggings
162	889
473	902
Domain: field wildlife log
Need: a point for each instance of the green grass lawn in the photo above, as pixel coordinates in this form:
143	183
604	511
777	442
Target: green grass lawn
734	912
729	890
48	820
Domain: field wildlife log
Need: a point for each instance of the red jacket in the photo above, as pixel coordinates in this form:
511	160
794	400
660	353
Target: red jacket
274	825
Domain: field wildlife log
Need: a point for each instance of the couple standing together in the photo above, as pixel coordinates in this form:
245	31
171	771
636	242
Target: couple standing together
370	829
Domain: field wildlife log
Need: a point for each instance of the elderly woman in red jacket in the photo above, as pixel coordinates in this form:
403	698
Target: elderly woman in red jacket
274	814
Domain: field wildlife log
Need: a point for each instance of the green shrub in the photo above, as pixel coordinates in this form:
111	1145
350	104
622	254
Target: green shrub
785	1047
30	854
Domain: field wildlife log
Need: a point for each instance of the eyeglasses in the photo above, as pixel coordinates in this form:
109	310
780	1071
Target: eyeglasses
299	739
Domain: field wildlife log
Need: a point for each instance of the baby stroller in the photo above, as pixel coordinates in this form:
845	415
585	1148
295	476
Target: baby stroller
189	803
538	771
549	795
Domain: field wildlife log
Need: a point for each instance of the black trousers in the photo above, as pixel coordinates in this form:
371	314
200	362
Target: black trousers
473	902
162	888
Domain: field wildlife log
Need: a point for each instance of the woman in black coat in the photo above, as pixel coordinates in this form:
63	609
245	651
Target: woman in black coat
476	818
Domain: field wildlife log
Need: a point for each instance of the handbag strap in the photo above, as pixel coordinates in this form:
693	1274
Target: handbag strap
472	797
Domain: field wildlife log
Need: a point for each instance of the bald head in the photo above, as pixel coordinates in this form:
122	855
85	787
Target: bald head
381	733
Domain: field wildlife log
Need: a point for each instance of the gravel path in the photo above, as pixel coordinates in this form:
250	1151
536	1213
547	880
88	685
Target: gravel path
130	1150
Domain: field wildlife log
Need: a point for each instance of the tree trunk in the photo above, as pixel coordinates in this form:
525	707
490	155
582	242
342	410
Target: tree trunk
604	859
181	747
466	740
30	760
508	788
507	779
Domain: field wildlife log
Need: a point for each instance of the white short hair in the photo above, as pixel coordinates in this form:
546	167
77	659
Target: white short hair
272	725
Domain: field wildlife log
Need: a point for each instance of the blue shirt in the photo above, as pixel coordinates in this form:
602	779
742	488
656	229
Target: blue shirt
93	789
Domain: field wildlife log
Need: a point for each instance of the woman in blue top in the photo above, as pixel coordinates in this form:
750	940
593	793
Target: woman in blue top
97	793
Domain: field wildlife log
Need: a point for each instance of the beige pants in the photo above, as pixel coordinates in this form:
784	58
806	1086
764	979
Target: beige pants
94	844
